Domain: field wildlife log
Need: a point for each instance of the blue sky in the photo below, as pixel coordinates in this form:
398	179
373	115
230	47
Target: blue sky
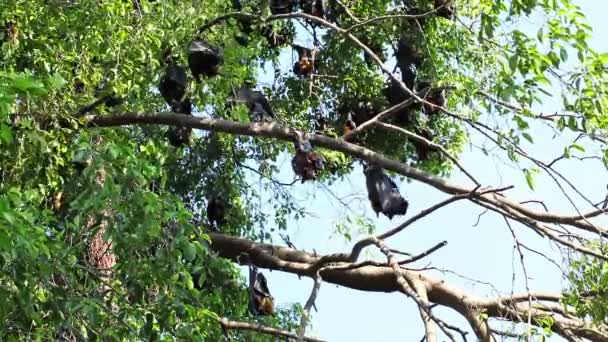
483	252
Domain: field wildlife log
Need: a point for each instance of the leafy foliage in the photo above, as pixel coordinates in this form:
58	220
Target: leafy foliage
62	183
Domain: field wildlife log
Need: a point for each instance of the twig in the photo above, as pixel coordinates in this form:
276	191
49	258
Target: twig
138	8
424	254
348	11
362	127
428	143
238	325
390	16
523	266
483	212
272	180
439	205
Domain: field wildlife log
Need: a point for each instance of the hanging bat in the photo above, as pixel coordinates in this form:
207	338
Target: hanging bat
407	54
423	150
179	136
444	8
306	163
204	59
216	211
281	6
435	96
313	7
349	124
57	201
255	100
261	303
173	84
320	123
383	193
395	95
304	65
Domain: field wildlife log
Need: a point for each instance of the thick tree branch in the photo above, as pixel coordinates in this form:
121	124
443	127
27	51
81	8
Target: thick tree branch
383	279
273	130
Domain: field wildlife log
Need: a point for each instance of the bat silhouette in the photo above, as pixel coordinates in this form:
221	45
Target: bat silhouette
383	193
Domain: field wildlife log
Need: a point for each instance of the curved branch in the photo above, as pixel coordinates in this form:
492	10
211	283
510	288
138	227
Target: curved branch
383	279
391	16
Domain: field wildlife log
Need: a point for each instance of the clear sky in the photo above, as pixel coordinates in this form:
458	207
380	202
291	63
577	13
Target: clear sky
483	252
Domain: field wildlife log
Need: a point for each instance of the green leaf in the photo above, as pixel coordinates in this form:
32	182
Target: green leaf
6	134
55	81
578	147
563	54
529	179
188	282
27	84
189	251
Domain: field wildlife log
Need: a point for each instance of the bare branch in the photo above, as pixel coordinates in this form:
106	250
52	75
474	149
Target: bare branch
309	303
424	254
380	116
237	325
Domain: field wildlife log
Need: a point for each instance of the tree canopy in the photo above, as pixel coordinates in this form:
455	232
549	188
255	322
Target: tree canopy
133	133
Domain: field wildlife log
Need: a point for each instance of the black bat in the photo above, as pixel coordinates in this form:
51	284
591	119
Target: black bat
383	193
254	99
313	7
306	163
216	211
173	84
204	59
261	303
435	96
444	8
407	54
180	136
281	6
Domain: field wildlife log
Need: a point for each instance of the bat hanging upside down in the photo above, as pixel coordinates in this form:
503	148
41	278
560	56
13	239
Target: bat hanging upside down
261	303
306	163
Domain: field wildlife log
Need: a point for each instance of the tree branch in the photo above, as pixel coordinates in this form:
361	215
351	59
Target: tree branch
428	143
274	130
382	279
309	303
237	325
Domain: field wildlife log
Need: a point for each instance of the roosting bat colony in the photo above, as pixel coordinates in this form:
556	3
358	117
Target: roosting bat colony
205	60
